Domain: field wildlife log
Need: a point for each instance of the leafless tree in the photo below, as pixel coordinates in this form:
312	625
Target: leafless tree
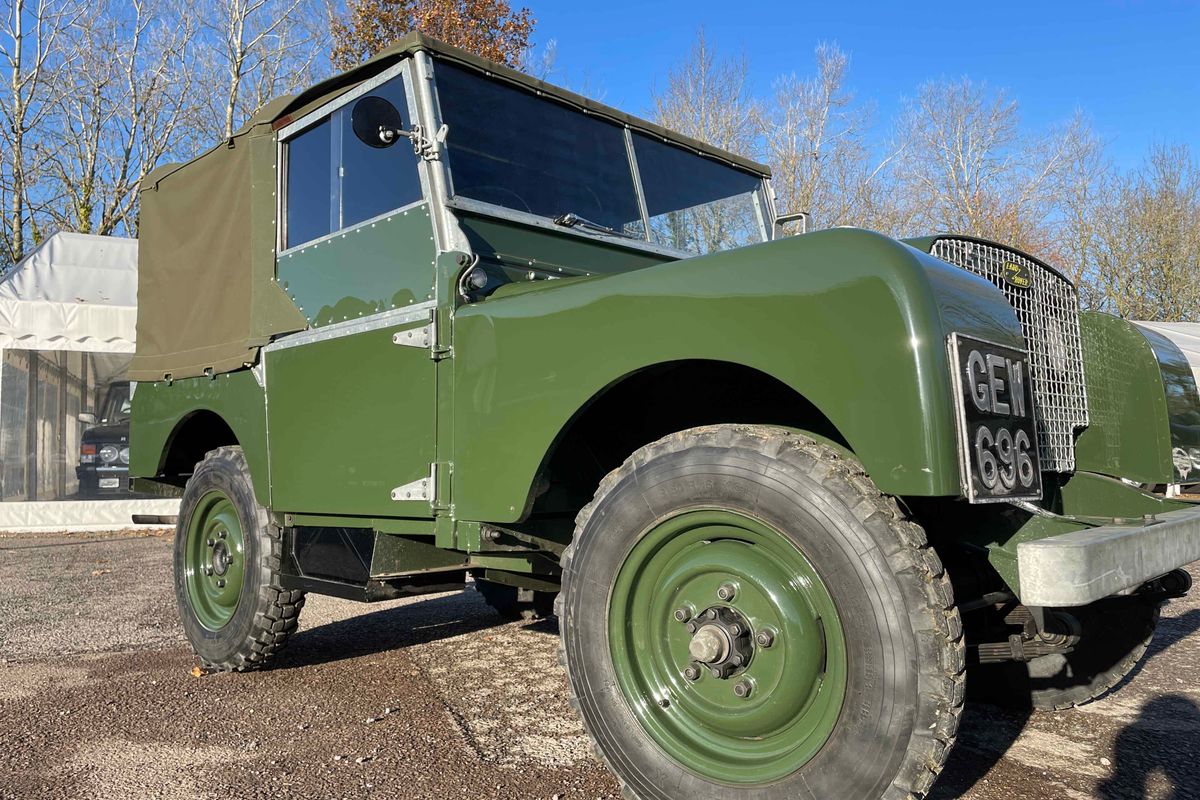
32	56
1145	239
816	142
124	103
256	50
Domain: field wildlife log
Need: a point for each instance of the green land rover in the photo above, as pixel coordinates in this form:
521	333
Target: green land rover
791	498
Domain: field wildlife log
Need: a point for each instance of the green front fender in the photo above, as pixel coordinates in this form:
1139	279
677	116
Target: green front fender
853	321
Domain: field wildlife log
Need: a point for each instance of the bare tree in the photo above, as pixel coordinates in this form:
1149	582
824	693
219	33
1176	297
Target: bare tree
255	50
708	98
123	102
964	166
1145	239
31	56
816	142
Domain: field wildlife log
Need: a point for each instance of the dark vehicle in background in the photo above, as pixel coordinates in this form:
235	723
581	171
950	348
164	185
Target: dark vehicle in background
103	469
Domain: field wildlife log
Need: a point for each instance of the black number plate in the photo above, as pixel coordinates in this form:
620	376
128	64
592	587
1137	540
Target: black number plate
997	435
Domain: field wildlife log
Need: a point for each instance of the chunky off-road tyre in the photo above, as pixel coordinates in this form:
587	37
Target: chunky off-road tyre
744	614
1115	634
505	602
227	558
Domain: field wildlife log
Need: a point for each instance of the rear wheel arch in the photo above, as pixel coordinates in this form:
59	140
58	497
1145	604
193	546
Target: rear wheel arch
196	434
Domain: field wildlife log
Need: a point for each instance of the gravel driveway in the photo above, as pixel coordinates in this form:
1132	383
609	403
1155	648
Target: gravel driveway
431	697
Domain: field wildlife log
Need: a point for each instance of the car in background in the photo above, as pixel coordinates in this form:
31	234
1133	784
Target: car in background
103	469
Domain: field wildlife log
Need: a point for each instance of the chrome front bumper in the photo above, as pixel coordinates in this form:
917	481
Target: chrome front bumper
1078	568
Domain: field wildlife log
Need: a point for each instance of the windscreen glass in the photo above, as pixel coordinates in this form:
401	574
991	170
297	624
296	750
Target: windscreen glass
511	148
696	203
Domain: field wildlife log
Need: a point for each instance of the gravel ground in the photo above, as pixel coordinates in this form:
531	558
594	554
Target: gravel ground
431	698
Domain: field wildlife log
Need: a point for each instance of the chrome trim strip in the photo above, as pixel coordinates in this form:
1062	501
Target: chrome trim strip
399	316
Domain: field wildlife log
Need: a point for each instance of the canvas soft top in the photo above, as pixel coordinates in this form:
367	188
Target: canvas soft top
207	296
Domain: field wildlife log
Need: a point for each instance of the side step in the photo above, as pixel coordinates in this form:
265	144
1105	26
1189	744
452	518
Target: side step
366	565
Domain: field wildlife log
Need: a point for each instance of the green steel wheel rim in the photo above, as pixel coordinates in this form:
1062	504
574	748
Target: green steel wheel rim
214	560
796	684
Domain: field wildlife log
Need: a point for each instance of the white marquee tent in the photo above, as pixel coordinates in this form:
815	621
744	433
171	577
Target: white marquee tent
67	318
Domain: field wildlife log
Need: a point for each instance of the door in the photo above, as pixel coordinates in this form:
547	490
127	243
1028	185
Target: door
351	401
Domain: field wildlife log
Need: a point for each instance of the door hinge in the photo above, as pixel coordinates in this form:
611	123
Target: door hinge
414	337
420	489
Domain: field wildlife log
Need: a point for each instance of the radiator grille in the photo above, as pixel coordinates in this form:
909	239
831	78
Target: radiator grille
1049	315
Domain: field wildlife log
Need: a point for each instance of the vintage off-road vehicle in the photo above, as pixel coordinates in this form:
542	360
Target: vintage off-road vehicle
433	319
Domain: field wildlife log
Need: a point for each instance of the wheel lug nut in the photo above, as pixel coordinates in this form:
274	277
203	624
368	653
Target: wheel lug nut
664	702
692	673
742	689
765	637
221	583
212	542
726	591
222	534
715	672
683	614
208	570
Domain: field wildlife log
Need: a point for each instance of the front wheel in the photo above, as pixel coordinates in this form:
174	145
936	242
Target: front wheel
744	614
227	559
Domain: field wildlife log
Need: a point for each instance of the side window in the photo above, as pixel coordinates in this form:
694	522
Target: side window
309	187
335	181
376	180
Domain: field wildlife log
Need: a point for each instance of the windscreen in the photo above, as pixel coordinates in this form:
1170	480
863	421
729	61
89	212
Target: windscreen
696	203
511	148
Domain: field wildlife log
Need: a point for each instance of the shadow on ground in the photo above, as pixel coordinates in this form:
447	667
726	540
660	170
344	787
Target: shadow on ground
407	625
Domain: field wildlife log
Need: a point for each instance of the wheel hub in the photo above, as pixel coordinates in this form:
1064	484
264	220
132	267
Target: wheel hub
720	641
222	559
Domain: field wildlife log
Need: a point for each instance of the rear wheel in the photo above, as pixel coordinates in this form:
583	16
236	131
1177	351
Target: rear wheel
744	614
1113	637
227	559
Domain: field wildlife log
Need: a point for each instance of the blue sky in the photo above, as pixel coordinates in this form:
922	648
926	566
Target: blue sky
1134	67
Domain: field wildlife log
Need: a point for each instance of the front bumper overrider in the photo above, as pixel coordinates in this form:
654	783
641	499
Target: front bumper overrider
1077	568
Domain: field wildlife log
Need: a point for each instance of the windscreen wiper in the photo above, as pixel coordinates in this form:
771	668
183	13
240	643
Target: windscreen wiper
573	220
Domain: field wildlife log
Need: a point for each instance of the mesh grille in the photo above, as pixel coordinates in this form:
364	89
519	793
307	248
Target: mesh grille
1049	315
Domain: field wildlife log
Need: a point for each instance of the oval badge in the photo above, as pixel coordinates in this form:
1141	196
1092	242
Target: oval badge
1017	275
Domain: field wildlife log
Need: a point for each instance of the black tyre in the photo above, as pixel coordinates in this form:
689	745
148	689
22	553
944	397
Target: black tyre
505	601
1114	636
227	559
743	614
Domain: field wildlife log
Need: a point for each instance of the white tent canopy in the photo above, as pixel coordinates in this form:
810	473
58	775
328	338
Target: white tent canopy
75	292
1185	335
68	313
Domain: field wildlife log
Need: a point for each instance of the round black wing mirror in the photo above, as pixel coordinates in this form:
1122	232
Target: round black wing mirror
376	122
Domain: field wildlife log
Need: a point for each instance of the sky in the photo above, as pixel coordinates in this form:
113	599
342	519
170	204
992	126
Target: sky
1133	67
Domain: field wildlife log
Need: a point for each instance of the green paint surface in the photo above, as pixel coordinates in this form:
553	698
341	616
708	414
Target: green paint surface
853	321
1128	434
160	408
351	418
374	267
